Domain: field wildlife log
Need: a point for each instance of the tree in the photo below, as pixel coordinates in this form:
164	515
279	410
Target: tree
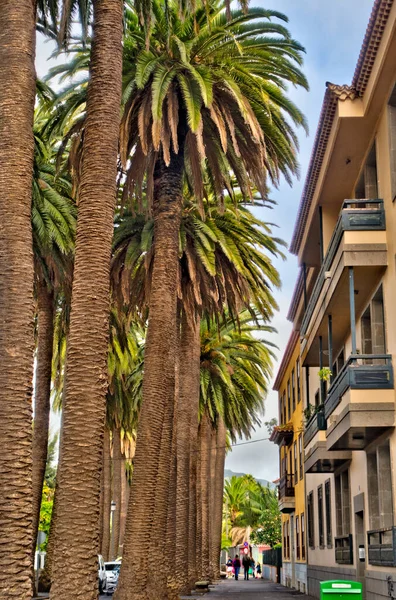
77	527
53	227
17	92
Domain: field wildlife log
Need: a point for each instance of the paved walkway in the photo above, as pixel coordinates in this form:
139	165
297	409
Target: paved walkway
254	589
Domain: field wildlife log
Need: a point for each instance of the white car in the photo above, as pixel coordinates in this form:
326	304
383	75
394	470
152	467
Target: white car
102	575
112	573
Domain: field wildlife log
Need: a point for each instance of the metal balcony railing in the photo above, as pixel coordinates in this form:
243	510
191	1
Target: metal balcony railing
316	423
356	215
361	371
286	487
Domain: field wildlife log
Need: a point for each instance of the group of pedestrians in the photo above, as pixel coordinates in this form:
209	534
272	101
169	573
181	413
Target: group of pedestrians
249	567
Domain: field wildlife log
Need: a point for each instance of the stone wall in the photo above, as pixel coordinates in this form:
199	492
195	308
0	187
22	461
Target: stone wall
316	574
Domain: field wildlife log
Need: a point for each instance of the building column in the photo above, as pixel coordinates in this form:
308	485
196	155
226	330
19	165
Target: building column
330	345
372	483
322	398
385	486
352	308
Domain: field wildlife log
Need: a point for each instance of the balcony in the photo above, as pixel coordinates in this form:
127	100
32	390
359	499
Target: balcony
344	550
355	415
359	241
286	494
382	547
316	423
317	458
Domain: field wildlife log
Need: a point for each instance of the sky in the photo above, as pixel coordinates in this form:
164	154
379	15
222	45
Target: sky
332	33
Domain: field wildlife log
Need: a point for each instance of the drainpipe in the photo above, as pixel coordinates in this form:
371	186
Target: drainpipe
321	234
352	308
330	330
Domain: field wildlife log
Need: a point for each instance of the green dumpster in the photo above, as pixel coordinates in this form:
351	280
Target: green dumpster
340	590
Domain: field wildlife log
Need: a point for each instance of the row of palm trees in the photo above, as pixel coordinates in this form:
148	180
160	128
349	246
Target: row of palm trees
127	245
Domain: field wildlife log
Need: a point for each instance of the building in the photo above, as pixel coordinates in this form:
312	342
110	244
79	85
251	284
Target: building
289	436
344	323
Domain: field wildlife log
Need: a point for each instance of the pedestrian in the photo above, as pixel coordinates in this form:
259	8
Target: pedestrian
246	566
258	570
230	568
252	567
237	566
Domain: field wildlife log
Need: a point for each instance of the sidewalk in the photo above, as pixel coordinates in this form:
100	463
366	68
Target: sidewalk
254	589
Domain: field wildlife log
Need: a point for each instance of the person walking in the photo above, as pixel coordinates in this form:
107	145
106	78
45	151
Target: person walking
230	568
237	566
246	560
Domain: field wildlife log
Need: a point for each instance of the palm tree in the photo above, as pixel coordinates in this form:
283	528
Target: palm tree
17	92
222	259
53	225
77	527
204	90
235	372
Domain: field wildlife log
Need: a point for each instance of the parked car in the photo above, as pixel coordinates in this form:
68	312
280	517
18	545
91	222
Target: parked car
102	577
112	574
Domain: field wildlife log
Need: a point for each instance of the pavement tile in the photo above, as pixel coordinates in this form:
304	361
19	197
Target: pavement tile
254	589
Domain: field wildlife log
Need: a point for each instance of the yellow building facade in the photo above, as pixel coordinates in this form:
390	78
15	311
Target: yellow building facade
289	436
344	330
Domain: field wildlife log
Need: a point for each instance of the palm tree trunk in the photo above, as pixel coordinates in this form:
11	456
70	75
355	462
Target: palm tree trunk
214	573
217	507
42	393
172	583
101	505
106	495
198	511
187	414
17	92
77	531
124	504
117	458
148	507
205	455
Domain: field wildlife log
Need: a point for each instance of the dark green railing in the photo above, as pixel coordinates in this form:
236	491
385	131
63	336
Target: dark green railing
361	371
344	549
356	215
316	423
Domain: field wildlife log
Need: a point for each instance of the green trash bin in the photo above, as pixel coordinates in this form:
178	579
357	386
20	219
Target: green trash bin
340	590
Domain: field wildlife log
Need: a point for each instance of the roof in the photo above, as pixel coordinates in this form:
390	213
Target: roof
282	434
372	39
291	344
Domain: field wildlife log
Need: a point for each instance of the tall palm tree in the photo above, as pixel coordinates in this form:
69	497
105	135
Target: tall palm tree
17	92
222	259
53	225
235	371
77	528
203	90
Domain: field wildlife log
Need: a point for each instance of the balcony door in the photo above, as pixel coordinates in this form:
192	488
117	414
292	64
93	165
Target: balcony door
293	551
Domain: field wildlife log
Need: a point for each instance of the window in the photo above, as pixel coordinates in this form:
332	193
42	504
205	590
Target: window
284	540
298	380
367	186
288	400
288	539
295	463
328	513
300	453
302	536
379	474
342	503
281	410
392	140
373	326
311	532
338	363
320	516
298	538
284	408
317	398
293	390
